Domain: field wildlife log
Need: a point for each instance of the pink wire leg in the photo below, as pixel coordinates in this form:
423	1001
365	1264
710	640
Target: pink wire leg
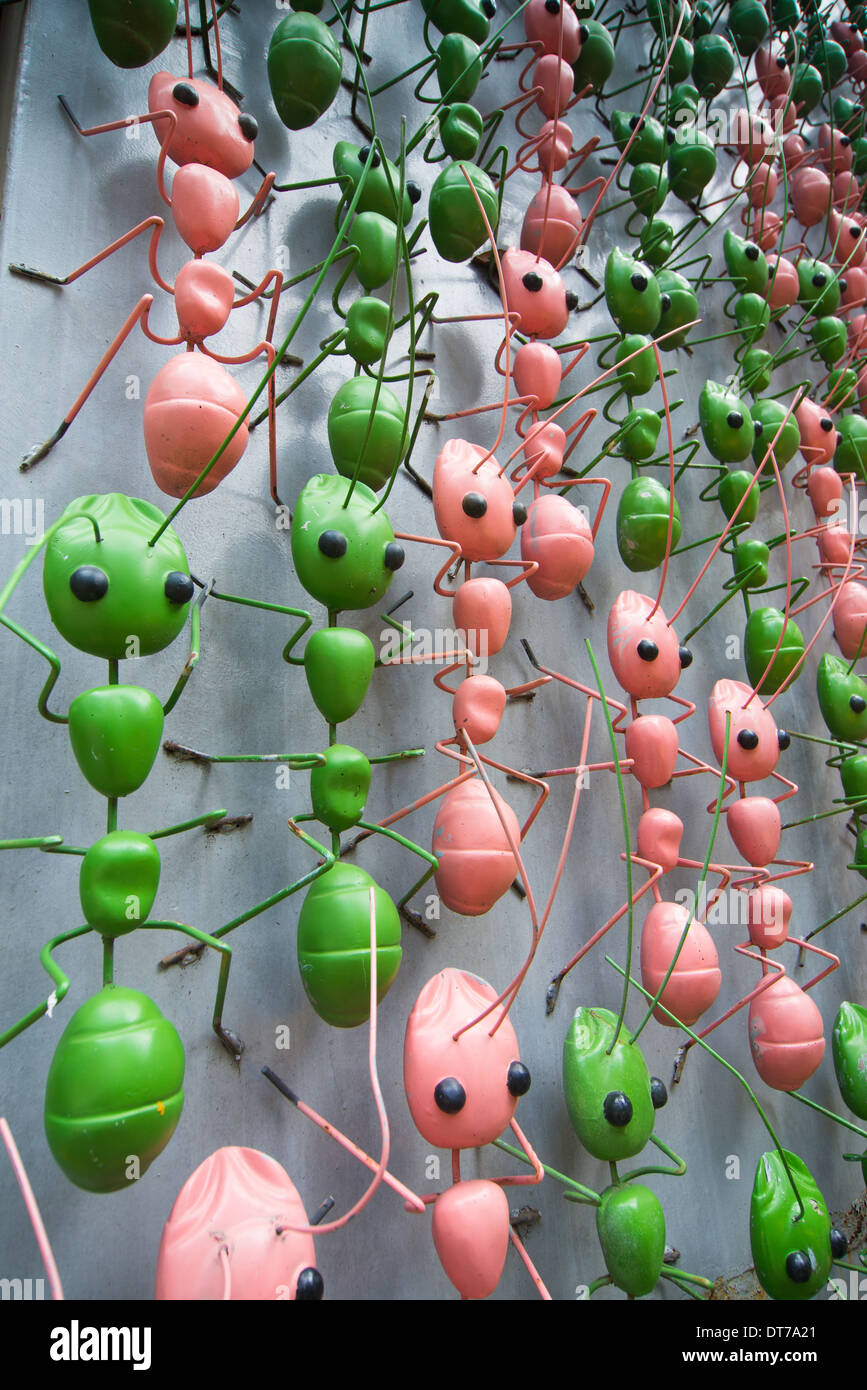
32	1210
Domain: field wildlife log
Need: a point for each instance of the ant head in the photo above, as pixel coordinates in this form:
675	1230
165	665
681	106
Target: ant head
643	650
754	740
792	1250
109	591
474	504
536	293
248	1198
461	1094
343	546
610	1096
209	128
818	432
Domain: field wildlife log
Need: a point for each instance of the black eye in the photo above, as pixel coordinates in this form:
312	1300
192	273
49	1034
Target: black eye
647	650
519	1079
798	1266
685	657
364	154
450	1096
633	122
853	231
638	282
249	125
552	6
839	1243
658	1093
665	303
747	738
394	556
819	279
178	587
571	300
669	135
332	544
758	428
310	1286
783	739
781	63
88	583
531	281
826	425
843	286
185	94
845	142
474	504
751	252
857	704
583	33
617	1108
734	420
489	8
519	513
413	191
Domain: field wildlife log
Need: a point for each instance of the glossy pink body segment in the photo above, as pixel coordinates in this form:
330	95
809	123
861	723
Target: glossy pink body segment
537	371
769	911
235	1200
477	1060
774	80
558	537
205	207
834	544
204	293
659	835
766	230
482	610
557	236
856	65
471	1235
756	828
191	405
556	80
553	146
476	863
846	35
752	136
763	186
847	191
857	334
855	292
794	152
782	288
783	110
744	764
206	133
787	1036
696	979
544	27
544	448
834	149
478	707
818	435
484	537
543	311
810	190
651	741
850	618
825	491
630	623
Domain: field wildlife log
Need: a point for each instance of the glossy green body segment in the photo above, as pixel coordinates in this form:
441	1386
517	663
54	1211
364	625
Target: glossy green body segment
726	423
136	572
678	308
818	286
118	882
355	421
691	163
595	63
375	237
459	67
458	17
631	293
656	242
132	32
733	489
456	224
648	146
461	128
851	453
770	415
751	561
746	264
368	330
842	698
631	1226
778	1230
829	336
114	1091
590	1074
304	69
639	374
763	631
338	663
853	775
639	434
748	23
334	945
377	194
642	524
358	577
849	1048
115	733
339	787
713	64
807	88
